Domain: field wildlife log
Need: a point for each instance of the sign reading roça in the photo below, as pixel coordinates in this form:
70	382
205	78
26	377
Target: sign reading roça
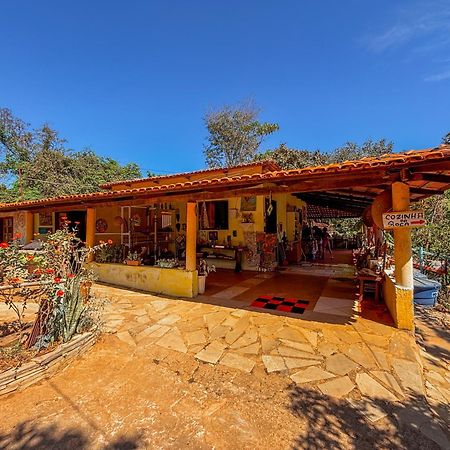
401	219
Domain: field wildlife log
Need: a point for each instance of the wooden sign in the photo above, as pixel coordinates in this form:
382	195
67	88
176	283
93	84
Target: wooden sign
402	219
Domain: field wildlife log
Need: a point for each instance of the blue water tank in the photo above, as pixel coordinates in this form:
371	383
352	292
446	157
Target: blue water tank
425	290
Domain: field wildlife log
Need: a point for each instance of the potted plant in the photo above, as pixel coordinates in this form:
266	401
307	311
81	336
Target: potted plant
133	259
203	271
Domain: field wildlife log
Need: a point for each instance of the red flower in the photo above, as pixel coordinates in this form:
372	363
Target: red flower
4	245
30	257
38	271
110	241
17	236
59	293
70	275
15	280
49	271
57	280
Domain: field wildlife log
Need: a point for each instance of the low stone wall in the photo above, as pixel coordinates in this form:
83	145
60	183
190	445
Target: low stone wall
43	366
399	301
158	280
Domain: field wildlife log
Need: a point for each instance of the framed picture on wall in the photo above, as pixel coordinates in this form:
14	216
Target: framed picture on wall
248	203
46	219
213	235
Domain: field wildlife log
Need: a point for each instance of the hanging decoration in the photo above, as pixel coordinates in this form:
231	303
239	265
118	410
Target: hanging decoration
101	225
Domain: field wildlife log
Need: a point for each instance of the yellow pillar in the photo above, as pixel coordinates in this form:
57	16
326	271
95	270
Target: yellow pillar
403	313
402	238
29	227
191	236
90	229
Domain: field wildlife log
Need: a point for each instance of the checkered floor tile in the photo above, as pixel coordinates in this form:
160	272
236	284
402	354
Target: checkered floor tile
281	304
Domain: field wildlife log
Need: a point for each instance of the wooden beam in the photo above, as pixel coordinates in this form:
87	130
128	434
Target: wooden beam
335	200
423	191
437	166
433	177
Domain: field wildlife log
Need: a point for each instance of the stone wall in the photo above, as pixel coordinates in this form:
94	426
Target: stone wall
43	366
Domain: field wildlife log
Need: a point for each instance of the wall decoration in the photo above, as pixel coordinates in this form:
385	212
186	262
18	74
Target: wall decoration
45	219
247	218
101	225
213	236
248	203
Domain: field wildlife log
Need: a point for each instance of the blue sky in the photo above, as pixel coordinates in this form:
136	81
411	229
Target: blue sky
133	80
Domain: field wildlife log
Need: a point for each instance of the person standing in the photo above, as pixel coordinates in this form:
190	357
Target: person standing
326	242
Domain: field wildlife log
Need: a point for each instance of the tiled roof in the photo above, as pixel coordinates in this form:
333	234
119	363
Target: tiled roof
267	164
326	212
389	161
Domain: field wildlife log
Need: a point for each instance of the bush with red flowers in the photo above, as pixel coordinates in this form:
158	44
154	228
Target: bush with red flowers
56	277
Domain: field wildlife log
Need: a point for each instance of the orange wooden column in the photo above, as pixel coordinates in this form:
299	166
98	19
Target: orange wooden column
29	227
402	238
90	229
191	236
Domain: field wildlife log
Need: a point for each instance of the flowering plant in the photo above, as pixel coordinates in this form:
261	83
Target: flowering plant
134	256
56	276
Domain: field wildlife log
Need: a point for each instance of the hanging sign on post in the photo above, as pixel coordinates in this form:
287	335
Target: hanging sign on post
402	219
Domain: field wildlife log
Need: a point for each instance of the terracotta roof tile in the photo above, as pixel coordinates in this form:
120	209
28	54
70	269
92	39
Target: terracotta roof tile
266	163
395	160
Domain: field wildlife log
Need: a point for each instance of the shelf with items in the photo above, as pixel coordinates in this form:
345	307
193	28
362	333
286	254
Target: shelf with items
220	256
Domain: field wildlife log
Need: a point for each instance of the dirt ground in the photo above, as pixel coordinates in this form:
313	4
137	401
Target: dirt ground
165	400
131	392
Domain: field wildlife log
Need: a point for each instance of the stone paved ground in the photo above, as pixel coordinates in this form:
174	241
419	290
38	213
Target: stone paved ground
173	373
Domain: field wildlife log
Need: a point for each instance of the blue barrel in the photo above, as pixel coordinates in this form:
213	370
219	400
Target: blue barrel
425	290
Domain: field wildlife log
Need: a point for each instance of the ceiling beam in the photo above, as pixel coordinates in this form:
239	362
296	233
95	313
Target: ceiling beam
423	191
333	202
433	177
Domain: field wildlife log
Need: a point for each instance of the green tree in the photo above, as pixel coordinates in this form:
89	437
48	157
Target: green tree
289	158
16	143
446	139
235	135
36	164
369	148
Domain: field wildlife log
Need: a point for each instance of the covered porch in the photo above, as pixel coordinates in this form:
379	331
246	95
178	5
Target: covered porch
366	188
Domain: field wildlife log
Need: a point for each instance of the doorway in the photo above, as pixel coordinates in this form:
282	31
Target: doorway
270	213
6	229
77	220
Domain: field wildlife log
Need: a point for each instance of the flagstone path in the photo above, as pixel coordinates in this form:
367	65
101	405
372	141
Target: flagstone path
359	361
188	374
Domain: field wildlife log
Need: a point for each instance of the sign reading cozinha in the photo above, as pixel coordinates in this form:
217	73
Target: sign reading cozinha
400	219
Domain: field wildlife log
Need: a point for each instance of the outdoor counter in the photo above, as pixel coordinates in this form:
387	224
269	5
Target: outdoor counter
174	282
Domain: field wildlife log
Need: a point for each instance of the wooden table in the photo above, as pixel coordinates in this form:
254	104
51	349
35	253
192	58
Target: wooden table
377	279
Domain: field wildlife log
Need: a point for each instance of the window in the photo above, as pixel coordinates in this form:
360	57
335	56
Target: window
213	215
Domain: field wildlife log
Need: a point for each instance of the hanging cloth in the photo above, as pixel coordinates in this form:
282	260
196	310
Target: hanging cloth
204	217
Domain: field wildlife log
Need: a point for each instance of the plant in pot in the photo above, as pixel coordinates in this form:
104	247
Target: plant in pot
133	259
203	271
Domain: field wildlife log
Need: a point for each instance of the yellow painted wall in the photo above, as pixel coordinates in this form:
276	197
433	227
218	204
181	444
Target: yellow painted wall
109	213
175	282
235	217
399	301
